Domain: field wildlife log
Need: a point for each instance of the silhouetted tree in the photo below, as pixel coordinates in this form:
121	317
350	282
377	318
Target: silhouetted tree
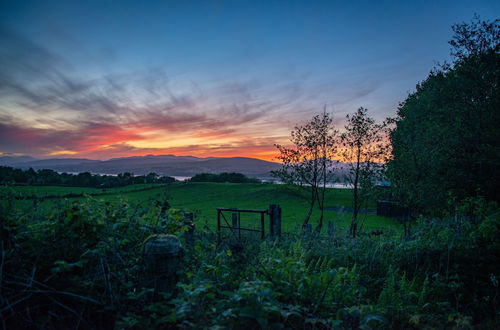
363	147
9	175
308	163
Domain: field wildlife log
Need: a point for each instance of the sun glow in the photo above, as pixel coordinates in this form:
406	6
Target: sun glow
63	152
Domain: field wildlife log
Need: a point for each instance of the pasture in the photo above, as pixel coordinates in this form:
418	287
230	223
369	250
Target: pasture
204	198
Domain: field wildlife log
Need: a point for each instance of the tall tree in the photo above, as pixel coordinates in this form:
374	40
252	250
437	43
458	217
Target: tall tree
363	147
308	163
446	140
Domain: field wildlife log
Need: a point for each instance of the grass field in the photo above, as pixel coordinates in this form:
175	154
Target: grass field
204	198
63	190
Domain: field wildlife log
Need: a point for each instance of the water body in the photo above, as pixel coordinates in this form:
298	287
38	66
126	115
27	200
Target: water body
348	209
337	185
180	178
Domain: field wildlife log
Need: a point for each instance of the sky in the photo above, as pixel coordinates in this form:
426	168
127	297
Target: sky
106	79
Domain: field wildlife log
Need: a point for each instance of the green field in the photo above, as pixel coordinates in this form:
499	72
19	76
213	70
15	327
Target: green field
204	198
63	190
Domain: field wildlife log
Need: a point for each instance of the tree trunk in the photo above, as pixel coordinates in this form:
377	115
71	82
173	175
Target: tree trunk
354	222
321	204
311	206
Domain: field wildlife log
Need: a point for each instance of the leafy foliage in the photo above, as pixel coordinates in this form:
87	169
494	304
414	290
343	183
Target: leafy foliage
78	262
81	263
446	138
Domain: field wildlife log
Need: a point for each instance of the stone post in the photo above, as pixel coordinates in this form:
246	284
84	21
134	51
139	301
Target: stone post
162	258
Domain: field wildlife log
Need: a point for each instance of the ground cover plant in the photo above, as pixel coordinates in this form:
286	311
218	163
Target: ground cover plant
81	265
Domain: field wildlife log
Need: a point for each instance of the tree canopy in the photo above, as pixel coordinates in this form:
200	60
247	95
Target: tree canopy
223	177
446	142
9	175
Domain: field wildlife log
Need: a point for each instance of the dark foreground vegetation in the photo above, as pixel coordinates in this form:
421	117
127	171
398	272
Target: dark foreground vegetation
82	263
44	177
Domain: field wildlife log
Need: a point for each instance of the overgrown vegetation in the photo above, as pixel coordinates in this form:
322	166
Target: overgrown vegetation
81	265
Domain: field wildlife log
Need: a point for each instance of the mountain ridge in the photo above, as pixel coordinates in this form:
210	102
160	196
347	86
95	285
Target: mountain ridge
161	164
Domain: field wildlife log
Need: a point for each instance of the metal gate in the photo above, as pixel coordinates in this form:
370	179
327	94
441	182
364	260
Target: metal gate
274	212
235	225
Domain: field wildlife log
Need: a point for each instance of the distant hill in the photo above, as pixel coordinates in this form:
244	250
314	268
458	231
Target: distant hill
8	160
170	165
56	162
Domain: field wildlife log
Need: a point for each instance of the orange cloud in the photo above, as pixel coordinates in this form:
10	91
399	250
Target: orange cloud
104	141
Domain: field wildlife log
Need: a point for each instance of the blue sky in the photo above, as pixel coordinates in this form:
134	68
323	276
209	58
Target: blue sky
222	77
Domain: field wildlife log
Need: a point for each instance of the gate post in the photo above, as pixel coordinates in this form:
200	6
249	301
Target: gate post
307	231
331	229
275	220
236	223
218	226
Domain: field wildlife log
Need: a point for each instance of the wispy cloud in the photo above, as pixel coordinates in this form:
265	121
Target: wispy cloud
48	106
104	116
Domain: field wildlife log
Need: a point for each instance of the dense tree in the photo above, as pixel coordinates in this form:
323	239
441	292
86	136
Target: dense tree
446	140
363	147
223	177
308	163
9	175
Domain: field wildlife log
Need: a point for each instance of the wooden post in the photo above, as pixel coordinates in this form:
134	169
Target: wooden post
234	218
189	235
331	230
162	259
308	230
262	226
235	224
218	224
275	220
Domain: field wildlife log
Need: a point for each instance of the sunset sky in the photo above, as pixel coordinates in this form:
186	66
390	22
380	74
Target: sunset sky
104	79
